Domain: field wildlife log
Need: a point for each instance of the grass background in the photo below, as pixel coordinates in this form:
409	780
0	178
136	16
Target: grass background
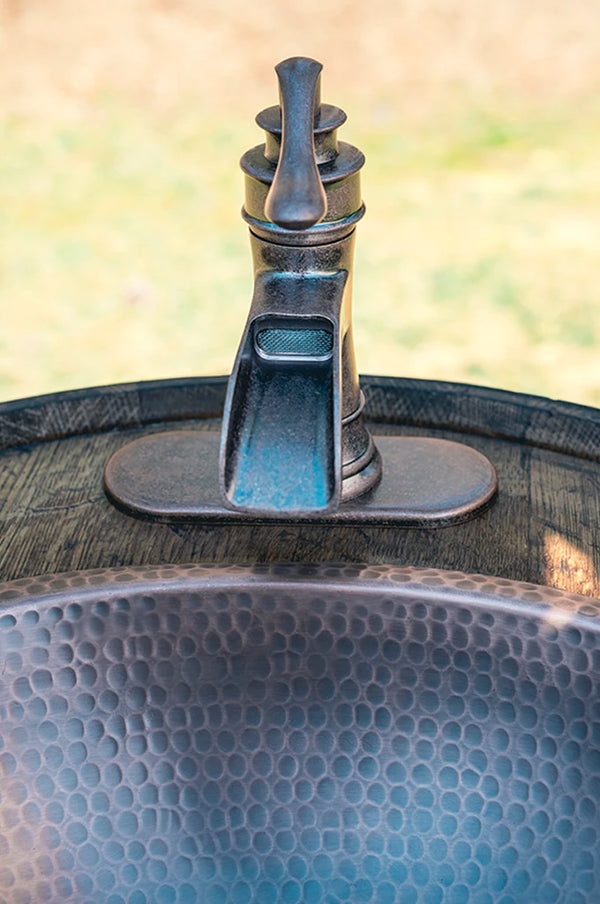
122	252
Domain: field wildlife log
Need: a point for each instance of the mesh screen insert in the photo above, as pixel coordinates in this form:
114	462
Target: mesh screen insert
295	342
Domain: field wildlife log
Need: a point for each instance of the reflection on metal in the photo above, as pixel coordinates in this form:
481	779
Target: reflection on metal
294	443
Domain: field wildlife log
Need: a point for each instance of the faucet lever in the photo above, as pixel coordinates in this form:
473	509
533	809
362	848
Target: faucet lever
296	199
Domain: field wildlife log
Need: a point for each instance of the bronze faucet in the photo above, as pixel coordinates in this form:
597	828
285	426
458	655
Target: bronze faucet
293	436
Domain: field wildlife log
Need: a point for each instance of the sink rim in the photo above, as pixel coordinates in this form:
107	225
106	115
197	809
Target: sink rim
560	608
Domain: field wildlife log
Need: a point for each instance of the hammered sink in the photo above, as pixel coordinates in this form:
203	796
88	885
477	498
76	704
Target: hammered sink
297	734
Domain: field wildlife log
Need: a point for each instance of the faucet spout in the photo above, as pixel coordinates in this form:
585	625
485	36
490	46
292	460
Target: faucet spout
281	447
293	437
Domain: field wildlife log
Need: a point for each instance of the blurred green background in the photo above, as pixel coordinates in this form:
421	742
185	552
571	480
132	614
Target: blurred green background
122	252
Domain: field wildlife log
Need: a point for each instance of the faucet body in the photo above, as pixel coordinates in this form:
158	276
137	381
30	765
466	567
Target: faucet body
293	437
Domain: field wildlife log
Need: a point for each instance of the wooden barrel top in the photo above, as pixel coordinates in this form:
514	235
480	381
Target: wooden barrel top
543	528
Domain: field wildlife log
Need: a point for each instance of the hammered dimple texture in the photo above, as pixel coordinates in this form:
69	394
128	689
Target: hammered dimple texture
297	744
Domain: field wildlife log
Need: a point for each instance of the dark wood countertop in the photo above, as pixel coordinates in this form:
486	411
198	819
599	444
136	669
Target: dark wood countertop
543	528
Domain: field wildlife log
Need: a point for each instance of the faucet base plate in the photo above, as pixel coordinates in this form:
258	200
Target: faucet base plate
426	482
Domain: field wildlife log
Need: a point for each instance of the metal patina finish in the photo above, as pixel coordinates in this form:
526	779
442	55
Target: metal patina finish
294	443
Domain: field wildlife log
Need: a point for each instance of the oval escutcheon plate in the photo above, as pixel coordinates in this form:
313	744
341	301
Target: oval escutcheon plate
426	482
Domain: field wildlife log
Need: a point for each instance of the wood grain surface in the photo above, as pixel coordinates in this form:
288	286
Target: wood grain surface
543	528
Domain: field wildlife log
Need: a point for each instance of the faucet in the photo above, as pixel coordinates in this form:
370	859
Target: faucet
293	436
294	445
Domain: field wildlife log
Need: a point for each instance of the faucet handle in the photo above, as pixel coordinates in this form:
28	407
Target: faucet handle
302	183
296	199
